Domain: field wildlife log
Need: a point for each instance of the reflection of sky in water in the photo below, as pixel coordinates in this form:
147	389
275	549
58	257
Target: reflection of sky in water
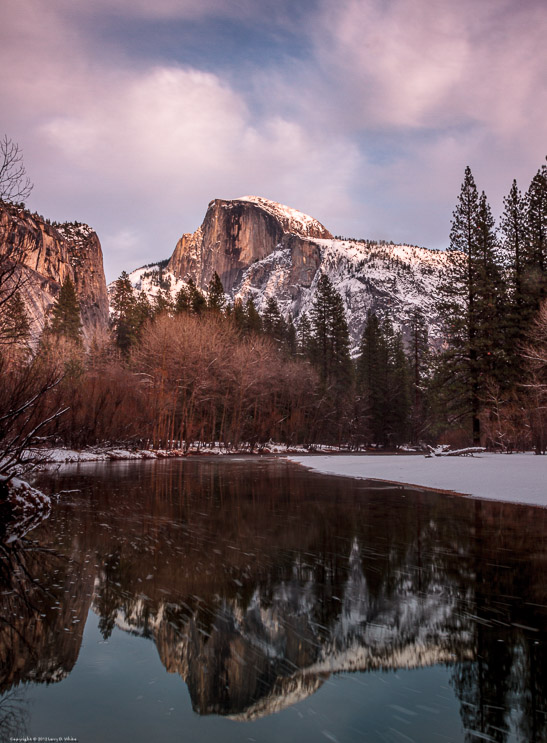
120	691
242	588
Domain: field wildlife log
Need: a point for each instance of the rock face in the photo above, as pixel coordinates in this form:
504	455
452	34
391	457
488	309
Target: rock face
235	234
262	249
45	255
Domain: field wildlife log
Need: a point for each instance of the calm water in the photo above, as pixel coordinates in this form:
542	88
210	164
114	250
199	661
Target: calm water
249	600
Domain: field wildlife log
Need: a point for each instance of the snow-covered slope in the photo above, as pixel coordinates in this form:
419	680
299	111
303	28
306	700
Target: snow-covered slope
388	279
263	249
293	221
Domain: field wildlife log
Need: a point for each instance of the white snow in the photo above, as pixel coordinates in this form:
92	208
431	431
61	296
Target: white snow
292	220
511	478
389	279
76	233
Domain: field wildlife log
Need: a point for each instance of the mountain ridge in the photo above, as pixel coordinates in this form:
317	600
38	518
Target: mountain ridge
260	249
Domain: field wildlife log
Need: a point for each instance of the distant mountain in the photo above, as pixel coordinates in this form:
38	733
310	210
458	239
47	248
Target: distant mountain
44	254
260	248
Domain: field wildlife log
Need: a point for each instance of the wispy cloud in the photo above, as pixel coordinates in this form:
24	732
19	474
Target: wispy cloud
367	125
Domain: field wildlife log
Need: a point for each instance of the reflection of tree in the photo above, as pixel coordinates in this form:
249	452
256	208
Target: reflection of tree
530	689
503	676
40	626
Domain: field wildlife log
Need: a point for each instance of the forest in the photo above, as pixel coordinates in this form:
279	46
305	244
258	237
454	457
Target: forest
170	373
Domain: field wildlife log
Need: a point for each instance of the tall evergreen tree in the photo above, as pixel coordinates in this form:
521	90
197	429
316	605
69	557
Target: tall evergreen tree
304	337
142	311
398	407
469	305
273	322
253	322
372	376
183	301
492	302
14	323
162	303
216	298
238	314
123	320
520	302
198	303
291	340
331	347
419	362
536	253
383	382
64	314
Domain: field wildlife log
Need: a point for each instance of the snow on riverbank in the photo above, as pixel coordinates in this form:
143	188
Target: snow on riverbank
27	507
512	478
62	455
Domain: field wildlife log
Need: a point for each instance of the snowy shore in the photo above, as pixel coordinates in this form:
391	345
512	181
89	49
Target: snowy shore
62	455
512	478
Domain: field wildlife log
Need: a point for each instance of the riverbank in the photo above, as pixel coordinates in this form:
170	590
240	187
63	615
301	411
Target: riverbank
511	478
63	455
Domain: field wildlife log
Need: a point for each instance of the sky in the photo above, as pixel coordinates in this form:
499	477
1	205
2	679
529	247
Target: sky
132	115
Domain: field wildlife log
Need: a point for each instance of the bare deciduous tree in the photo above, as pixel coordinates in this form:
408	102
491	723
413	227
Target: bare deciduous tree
14	183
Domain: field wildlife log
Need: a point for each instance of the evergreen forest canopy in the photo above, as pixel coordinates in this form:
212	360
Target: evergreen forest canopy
196	368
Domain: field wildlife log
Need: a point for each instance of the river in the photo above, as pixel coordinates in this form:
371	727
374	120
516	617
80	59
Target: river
247	599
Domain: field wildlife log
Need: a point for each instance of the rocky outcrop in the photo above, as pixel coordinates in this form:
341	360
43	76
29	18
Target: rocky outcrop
261	249
44	255
237	233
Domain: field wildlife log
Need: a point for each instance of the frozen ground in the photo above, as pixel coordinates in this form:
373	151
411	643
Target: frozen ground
513	478
63	455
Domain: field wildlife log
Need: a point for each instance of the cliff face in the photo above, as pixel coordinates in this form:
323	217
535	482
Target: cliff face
261	249
45	255
237	233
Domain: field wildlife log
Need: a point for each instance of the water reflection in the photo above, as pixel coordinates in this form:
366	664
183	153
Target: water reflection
257	581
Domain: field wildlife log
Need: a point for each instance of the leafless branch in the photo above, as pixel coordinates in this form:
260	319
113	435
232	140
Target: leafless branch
14	184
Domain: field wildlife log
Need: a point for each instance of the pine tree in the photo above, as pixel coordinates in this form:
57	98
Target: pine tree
419	368
198	303
253	323
372	376
291	341
398	406
183	301
520	302
304	337
142	312
536	253
123	320
64	314
470	305
162	303
273	322
493	302
383	383
216	299
331	348
239	315
14	323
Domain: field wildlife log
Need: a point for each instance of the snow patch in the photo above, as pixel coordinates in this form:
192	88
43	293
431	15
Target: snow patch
292	220
511	478
28	507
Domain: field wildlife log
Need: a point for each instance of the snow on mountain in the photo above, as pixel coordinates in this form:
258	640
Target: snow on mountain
262	249
387	279
151	279
292	220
